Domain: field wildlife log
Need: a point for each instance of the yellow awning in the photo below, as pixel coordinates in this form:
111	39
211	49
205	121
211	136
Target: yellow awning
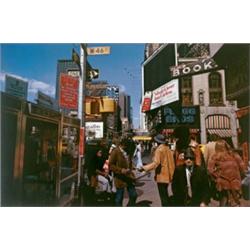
142	138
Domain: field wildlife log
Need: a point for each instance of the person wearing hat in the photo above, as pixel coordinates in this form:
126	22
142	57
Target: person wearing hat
190	184
163	164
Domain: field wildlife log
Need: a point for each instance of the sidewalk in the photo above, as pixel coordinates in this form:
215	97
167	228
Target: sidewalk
146	188
148	195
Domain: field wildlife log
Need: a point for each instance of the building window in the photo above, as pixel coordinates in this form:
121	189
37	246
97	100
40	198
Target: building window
201	97
186	91
215	89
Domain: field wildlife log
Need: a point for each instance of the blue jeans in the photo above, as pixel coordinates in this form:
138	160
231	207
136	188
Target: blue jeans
120	194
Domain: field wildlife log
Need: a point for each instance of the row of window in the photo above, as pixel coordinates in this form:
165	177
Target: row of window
215	90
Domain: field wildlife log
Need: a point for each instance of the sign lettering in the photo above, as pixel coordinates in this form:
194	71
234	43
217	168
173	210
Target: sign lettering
192	68
190	116
165	94
98	51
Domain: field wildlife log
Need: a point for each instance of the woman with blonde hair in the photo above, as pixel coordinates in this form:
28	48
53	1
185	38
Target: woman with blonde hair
226	167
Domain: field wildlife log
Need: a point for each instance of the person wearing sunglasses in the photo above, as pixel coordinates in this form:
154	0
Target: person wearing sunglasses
190	184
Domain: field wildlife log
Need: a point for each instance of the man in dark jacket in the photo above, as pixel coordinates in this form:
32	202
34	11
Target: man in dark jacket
190	184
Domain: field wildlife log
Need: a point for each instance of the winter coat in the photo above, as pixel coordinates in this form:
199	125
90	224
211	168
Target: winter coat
226	170
209	150
199	187
163	163
117	162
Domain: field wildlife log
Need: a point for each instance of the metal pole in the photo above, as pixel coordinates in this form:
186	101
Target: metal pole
176	54
81	100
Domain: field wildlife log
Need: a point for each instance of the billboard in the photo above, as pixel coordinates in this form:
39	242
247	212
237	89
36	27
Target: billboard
94	130
165	94
68	91
16	86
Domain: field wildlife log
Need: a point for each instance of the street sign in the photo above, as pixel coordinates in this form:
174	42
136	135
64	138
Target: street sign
98	51
93	74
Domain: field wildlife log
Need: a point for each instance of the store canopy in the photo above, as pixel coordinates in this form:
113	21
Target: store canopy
142	138
221	132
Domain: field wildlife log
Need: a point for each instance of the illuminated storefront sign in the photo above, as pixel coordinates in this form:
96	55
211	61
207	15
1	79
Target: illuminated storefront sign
190	116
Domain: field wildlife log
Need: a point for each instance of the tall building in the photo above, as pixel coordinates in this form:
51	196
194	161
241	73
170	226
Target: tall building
125	112
150	48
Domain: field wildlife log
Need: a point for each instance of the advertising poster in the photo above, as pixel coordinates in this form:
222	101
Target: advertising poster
68	92
94	130
165	94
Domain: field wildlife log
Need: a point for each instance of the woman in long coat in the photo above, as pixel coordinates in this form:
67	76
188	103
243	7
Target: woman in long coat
226	168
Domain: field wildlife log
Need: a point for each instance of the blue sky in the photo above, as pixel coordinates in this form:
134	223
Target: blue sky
37	64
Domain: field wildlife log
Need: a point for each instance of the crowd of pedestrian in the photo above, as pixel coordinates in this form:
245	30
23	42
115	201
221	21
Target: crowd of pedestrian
185	175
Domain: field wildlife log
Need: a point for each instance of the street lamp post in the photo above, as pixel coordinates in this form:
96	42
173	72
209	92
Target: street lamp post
81	103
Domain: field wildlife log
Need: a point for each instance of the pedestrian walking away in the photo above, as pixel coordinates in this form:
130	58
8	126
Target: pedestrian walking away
138	155
163	164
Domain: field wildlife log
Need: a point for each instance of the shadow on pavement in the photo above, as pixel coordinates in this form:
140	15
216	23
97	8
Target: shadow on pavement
144	203
139	184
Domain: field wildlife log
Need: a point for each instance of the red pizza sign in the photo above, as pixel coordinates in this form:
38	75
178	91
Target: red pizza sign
68	91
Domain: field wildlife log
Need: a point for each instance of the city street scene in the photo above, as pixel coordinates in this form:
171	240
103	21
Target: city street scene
125	125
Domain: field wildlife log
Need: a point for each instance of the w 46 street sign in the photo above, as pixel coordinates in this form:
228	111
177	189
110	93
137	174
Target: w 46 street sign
98	51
